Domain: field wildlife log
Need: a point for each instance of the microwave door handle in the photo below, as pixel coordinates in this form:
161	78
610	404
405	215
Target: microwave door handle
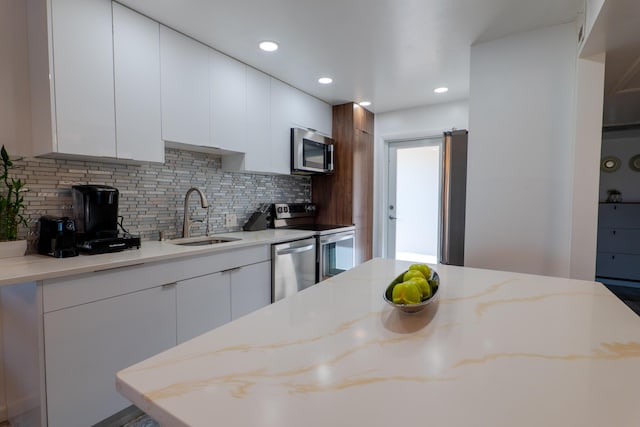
330	165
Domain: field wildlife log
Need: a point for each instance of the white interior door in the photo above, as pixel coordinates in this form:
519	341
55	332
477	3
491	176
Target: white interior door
414	189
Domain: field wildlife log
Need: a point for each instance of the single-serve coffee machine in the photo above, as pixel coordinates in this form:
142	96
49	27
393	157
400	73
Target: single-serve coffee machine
95	208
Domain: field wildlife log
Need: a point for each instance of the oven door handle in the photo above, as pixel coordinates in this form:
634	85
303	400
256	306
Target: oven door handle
328	240
295	250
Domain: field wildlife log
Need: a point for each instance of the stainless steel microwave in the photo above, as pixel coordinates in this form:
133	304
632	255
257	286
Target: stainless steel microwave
311	153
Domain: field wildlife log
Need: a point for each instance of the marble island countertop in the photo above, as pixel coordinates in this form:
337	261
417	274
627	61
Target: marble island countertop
40	267
498	349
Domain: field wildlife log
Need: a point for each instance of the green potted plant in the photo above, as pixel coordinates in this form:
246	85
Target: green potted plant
11	209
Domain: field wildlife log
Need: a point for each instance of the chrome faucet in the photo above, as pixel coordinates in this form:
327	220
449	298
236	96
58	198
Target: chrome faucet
186	225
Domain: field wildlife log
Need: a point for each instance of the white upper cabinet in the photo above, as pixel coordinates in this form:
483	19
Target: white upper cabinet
83	73
106	81
258	154
184	70
228	86
136	41
94	80
283	112
318	114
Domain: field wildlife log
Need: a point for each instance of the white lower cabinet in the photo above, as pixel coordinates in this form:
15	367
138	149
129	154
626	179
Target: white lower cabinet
64	339
86	345
250	288
202	304
206	302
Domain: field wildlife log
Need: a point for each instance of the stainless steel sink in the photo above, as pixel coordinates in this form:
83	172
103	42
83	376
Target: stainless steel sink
201	241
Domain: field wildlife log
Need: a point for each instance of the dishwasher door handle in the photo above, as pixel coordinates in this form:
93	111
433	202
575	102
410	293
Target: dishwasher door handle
295	250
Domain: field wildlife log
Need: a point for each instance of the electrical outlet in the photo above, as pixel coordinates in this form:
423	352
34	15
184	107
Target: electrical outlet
230	220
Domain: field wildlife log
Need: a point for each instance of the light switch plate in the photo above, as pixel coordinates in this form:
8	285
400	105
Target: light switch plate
230	220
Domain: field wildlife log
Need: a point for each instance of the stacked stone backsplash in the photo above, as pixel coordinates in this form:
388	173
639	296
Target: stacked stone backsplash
152	195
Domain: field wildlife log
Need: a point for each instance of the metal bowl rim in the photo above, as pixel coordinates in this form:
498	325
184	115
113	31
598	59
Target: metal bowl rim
421	304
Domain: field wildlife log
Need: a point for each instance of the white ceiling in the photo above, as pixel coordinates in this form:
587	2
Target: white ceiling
390	52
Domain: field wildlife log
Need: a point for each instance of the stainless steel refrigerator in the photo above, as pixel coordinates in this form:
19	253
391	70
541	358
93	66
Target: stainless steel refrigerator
454	197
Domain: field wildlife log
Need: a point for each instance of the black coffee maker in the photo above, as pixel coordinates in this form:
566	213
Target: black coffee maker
95	208
57	237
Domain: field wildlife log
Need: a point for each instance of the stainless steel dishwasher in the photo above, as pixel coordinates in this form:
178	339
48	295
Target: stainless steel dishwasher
293	267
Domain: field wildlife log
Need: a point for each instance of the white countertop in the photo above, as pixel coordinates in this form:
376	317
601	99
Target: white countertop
40	267
498	349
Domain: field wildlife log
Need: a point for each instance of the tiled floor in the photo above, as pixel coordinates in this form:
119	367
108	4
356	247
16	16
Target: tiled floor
128	417
629	295
142	421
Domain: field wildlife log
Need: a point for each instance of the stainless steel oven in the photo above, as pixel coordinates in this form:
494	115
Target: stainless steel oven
311	153
336	253
335	243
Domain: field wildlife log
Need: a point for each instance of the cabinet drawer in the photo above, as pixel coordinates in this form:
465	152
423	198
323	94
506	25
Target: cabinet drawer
619	240
621	266
621	215
84	288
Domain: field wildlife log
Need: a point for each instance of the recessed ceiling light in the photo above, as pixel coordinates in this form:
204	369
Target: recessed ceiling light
441	89
268	46
365	103
325	80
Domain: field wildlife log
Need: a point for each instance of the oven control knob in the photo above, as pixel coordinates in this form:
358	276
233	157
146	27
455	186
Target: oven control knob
279	209
286	208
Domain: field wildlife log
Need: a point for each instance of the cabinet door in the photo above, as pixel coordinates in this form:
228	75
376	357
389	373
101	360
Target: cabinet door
619	215
618	266
312	113
321	116
136	54
204	303
250	288
86	345
83	75
228	87
258	152
283	106
184	71
619	240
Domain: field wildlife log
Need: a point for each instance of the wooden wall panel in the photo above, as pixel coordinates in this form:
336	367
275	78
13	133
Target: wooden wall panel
346	197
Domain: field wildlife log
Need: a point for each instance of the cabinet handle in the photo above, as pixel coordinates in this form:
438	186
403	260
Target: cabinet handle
117	268
614	232
613	257
229	270
168	286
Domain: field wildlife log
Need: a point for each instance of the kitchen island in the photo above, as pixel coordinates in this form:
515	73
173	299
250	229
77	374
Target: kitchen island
498	349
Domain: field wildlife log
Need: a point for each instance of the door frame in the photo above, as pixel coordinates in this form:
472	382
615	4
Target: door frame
382	209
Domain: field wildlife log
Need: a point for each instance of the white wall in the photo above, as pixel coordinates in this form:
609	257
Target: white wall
15	118
520	162
413	123
587	143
